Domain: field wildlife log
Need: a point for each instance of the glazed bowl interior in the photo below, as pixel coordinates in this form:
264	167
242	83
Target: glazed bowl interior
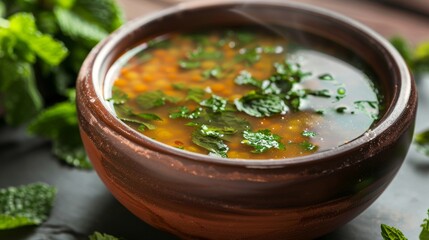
290	19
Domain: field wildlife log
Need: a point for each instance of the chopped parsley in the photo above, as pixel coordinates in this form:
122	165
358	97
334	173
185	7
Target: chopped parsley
185	64
307	133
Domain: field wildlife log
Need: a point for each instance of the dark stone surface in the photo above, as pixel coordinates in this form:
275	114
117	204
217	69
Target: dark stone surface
83	205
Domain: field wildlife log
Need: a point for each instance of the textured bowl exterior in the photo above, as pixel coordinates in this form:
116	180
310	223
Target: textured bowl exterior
200	197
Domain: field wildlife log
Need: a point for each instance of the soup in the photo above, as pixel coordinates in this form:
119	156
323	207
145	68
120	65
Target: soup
244	93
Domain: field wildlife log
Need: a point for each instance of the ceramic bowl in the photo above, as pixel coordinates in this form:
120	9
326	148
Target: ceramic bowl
196	196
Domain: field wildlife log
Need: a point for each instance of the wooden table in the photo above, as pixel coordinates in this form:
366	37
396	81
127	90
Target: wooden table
84	205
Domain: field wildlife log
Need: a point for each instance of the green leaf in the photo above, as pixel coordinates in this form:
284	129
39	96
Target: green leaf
48	49
371	108
215	73
143	125
18	92
149	100
403	48
214	131
102	236
422	142
195	94
249	56
261	105
199	54
307	133
25	205
391	233
185	64
308	146
78	28
118	96
214	145
59	124
424	234
105	13
262	140
215	103
326	77
246	78
184	112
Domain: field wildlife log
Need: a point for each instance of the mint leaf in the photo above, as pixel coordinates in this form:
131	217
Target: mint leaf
184	112
214	73
149	100
195	94
249	56
49	50
18	92
261	105
25	205
118	96
105	13
391	233
215	145
262	140
403	48
59	124
199	54
102	236
214	131
246	78
424	234
215	103
422	142
78	28
185	64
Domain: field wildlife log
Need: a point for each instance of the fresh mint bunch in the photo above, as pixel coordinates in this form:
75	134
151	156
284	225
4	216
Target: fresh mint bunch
42	47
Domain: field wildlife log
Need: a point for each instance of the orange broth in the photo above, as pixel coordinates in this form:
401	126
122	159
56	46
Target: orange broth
328	102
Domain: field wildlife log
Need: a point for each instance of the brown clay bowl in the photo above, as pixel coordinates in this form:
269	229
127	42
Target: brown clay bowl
200	197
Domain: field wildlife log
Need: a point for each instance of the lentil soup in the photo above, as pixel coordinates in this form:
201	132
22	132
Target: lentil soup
243	93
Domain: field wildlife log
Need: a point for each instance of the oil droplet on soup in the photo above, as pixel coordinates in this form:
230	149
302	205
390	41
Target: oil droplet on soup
244	93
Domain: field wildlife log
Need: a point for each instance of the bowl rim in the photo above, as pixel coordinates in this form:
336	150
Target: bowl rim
102	50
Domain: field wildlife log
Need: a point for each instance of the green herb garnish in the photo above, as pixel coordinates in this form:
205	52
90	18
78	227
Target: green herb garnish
422	142
245	78
56	122
25	205
118	96
200	54
326	77
261	105
308	146
215	145
149	100
185	64
262	140
424	234
307	133
249	56
215	103
102	236
184	112
215	73
391	233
